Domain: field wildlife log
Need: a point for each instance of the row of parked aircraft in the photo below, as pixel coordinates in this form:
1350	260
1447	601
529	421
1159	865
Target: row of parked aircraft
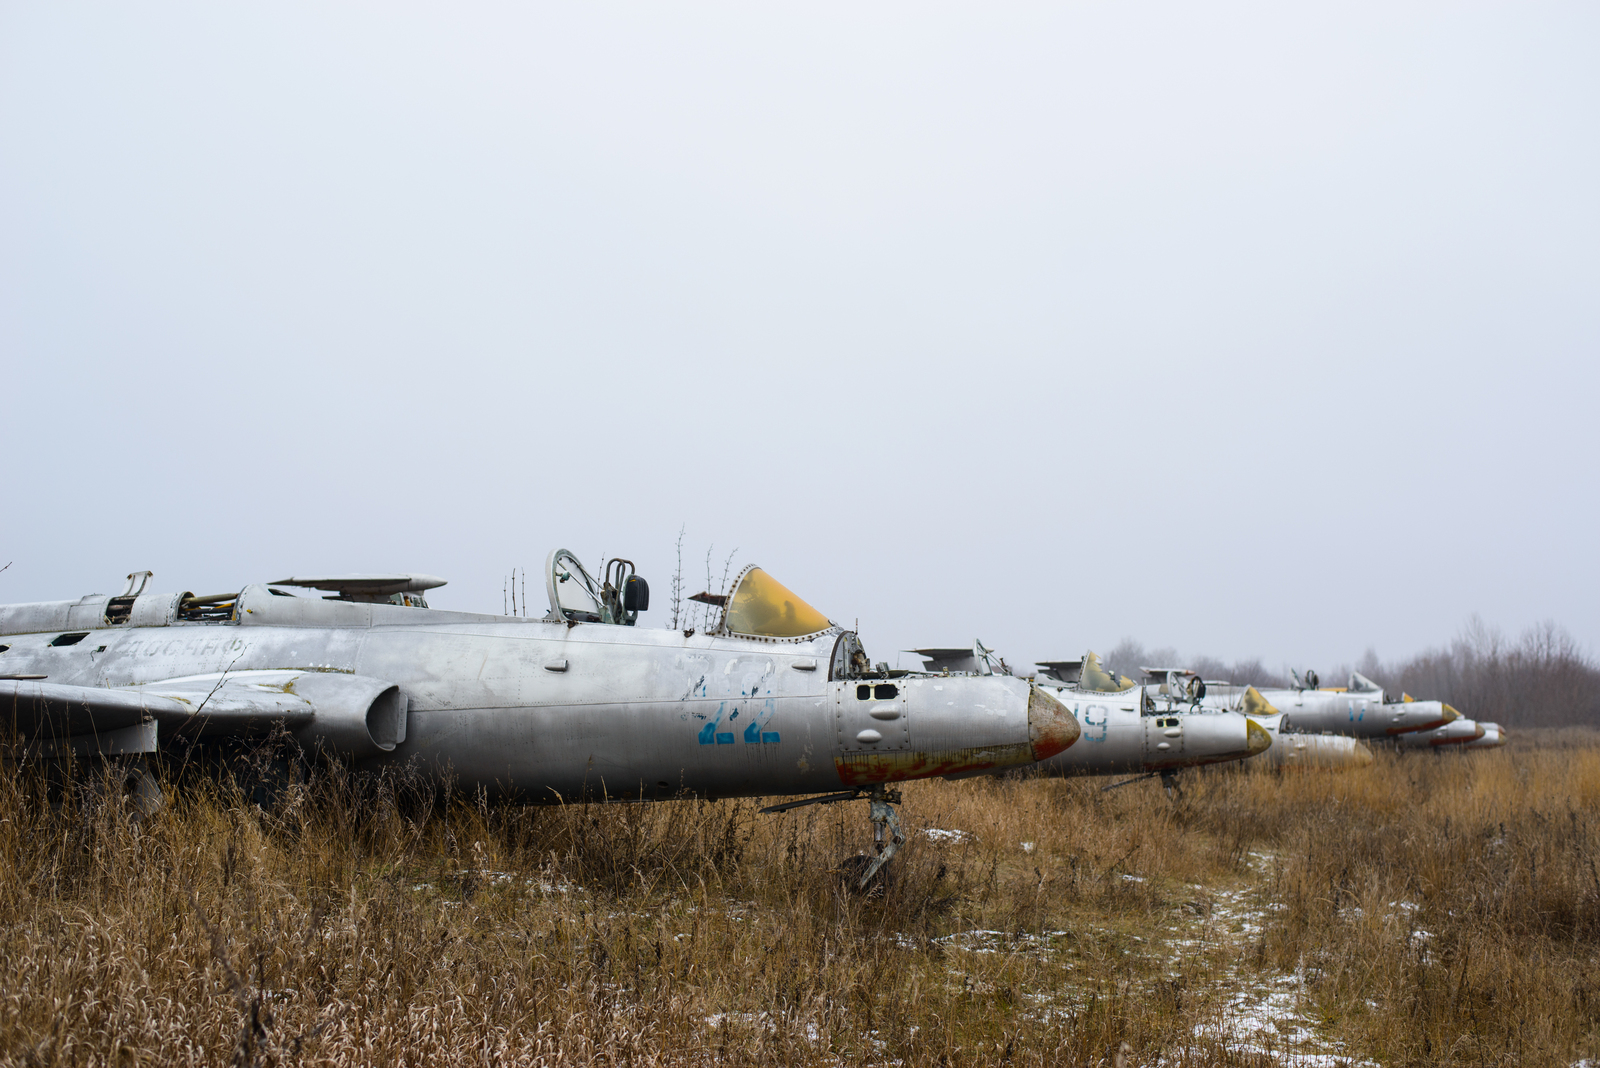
773	699
1175	719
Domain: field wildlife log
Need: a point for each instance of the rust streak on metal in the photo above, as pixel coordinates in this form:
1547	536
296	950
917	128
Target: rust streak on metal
864	769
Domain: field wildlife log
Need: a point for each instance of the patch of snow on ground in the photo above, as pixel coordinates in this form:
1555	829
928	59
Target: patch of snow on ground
986	941
1265	1015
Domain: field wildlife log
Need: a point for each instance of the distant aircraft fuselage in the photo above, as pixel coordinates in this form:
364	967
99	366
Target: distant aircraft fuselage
1355	713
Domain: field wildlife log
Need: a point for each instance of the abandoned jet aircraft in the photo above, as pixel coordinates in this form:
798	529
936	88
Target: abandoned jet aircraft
1123	729
1126	728
1290	748
1295	748
1361	710
1494	736
1453	735
774	699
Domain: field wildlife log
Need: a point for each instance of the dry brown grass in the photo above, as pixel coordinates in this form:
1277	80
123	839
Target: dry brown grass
1265	915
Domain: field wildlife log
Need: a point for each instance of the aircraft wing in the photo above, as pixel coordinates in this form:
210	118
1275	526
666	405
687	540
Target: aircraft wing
32	707
351	713
242	702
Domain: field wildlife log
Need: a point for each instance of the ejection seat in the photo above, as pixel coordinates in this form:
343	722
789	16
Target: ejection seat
575	597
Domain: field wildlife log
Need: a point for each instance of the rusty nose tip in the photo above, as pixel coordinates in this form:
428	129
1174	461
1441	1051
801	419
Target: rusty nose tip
1051	725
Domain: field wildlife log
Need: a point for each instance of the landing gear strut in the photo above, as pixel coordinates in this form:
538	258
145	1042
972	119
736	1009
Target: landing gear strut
1169	783
886	834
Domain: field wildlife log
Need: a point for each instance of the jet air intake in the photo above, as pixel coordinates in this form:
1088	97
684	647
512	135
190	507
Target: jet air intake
355	715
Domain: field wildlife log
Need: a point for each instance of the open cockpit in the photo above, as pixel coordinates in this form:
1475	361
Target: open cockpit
758	606
575	596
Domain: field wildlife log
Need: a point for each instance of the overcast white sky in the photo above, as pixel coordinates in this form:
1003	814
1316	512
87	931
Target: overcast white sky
1247	329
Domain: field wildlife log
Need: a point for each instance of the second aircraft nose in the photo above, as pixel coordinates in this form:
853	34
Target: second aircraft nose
945	725
1211	737
1051	725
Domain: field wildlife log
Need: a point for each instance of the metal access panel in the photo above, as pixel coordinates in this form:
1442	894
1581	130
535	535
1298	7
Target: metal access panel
870	715
1163	738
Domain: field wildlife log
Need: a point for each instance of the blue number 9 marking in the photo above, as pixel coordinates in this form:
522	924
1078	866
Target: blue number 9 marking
1090	722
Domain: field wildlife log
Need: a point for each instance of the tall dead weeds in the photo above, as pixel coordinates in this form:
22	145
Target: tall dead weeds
1434	910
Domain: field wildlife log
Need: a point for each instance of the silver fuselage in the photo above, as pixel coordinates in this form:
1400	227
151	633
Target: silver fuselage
1356	714
545	709
1460	732
1494	736
1299	749
1117	738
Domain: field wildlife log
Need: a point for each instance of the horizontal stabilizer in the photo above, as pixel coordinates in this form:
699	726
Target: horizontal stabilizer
948	659
1064	670
1163	672
344	585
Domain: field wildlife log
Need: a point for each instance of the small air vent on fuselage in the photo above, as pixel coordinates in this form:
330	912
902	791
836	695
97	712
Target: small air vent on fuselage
69	639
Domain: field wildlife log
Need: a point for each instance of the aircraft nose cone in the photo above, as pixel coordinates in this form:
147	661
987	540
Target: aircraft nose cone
1361	755
1450	714
1051	725
1256	737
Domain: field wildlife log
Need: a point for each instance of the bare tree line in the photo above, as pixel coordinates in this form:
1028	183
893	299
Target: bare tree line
1541	678
1129	656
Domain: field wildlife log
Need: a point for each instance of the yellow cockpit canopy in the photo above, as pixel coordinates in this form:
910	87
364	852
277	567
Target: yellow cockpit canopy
1256	705
1098	680
763	607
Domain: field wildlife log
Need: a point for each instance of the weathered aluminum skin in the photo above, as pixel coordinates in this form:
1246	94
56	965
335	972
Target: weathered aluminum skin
1352	713
534	708
1457	733
1117	739
1298	749
1494	736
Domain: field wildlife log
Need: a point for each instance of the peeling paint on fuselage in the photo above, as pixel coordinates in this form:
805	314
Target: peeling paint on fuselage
863	769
